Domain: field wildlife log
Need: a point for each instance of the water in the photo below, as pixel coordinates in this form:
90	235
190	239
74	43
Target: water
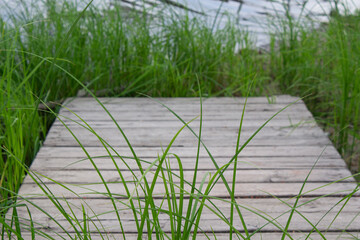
252	15
255	15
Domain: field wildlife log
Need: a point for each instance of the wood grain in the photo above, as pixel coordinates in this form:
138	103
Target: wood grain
270	170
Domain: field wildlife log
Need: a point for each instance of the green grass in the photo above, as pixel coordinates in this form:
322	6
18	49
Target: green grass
324	63
110	54
116	53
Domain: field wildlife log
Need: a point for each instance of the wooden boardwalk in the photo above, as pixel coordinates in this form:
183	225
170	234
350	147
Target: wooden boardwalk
275	163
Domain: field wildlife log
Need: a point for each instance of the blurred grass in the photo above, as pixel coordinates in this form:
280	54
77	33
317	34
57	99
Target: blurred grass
324	62
115	52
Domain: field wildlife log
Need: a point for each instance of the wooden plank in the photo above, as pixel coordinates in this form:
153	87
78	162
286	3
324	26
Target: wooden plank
188	163
243	176
348	221
171	128
178	102
219	190
225	236
281	99
269	206
207	123
138	141
257	213
162	115
183	141
183	152
187	108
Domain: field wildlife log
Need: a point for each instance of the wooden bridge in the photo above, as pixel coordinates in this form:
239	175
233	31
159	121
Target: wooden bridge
270	171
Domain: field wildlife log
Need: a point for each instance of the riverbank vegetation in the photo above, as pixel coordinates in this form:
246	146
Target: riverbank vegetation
115	52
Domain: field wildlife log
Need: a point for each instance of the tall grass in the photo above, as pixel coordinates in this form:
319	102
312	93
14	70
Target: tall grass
116	52
323	62
113	52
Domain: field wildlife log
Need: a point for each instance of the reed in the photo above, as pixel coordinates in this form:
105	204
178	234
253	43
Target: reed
323	61
114	52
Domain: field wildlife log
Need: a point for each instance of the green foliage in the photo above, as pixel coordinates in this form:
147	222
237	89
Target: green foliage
114	52
324	63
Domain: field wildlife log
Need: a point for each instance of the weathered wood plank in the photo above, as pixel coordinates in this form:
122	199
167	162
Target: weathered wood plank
170	129
243	176
270	206
219	190
162	115
210	224
257	213
154	152
280	99
207	123
116	140
188	163
194	109
225	236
